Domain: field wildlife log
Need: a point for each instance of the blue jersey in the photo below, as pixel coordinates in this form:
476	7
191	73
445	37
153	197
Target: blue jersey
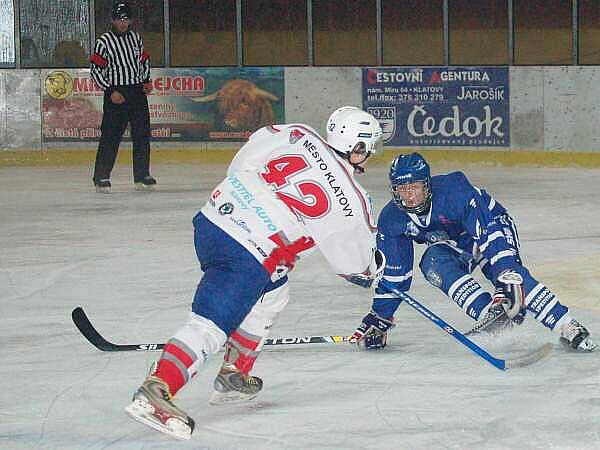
459	212
474	228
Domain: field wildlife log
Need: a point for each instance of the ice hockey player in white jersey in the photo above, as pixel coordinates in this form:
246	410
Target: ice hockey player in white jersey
463	228
286	193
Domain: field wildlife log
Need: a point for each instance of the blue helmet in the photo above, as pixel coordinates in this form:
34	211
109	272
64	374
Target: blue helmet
407	169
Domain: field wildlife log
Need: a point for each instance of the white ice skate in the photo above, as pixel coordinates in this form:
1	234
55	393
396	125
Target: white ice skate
576	337
496	319
507	307
152	405
232	386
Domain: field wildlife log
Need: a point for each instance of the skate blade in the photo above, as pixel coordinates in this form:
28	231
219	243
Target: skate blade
230	398
143	413
144	187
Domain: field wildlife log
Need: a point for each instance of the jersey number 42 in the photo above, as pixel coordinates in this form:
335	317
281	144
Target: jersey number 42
313	201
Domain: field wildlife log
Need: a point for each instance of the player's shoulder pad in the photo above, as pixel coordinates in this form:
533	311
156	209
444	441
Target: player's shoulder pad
299	131
456	177
268	130
391	217
454	181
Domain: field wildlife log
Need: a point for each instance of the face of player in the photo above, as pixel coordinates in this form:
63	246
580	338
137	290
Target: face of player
359	156
121	25
412	194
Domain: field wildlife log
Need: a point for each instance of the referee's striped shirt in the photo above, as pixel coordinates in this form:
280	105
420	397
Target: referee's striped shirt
120	60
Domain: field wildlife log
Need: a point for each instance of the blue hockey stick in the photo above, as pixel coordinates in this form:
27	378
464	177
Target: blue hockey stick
502	364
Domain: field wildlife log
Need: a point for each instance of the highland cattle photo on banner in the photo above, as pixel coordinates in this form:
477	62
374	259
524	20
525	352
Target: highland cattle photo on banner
439	106
208	105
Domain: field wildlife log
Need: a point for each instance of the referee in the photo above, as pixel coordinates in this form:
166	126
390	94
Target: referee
121	67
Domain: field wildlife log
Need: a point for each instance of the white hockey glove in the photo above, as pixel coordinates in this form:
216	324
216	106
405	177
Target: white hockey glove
373	273
371	334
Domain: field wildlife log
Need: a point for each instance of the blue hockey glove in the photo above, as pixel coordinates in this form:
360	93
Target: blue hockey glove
371	334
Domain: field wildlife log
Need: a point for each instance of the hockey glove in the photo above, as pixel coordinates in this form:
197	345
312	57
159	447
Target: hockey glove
283	258
373	273
371	334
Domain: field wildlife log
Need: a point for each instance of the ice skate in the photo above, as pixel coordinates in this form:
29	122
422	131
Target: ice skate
146	184
232	386
496	319
103	186
576	337
152	405
507	308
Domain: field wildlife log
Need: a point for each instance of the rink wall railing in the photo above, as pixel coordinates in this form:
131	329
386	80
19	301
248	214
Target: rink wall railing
554	118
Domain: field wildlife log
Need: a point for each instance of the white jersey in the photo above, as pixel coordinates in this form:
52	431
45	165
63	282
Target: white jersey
287	182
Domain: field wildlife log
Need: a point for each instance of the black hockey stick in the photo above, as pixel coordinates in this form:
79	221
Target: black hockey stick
83	324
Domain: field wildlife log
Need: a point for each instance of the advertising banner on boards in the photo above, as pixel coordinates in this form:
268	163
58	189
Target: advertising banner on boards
214	104
439	106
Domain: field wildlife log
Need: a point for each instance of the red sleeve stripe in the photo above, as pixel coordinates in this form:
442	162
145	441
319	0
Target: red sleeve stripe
98	60
145	56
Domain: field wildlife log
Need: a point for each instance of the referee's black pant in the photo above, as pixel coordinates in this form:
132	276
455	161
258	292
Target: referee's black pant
114	121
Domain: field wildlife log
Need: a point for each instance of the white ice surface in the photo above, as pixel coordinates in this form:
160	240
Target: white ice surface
128	259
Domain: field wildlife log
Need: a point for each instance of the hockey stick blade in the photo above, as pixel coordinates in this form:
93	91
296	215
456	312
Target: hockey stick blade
83	324
502	364
528	358
85	327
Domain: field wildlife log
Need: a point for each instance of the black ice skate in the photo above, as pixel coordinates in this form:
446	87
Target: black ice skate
146	184
103	186
152	405
232	386
576	337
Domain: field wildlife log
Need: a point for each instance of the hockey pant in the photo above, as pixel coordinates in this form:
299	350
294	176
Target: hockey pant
449	268
199	337
233	282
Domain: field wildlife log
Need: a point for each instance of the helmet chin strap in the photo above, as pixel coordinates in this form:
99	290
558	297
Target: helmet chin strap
346	156
357	167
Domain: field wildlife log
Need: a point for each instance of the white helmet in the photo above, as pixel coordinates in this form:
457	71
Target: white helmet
350	128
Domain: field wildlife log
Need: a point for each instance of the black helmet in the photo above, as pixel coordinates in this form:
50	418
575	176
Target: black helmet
121	10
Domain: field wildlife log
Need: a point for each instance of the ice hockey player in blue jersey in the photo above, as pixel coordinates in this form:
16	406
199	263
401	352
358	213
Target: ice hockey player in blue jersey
463	228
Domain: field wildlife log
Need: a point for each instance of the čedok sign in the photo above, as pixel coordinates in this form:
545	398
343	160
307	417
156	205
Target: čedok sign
439	106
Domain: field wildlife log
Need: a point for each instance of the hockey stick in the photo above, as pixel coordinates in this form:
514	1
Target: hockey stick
83	324
502	364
